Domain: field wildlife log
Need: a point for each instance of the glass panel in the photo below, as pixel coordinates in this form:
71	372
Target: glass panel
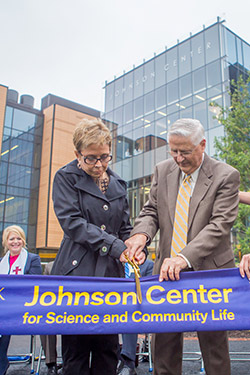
161	132
246	51
117	167
8	116
186	113
118	116
239	51
128	145
128	87
138	172
200	113
127	167
7	131
149	76
128	112
109	116
5	149
197	53
17	210
231	47
201	97
161	154
149	136
214	73
173	92
185	86
19	176
172	66
172	118
186	102
213	113
149	162
109	96
160	72
3	172
138	141
212	46
216	132
21	152
199	80
138	107
118	92
160	97
138	84
149	104
184	58
117	149
214	93
23	121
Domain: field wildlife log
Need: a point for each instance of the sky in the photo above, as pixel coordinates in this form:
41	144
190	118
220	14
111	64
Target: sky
70	48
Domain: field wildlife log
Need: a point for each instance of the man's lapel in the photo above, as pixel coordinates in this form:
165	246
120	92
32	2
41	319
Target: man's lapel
202	185
172	185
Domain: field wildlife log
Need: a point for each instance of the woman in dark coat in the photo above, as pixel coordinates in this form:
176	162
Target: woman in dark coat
90	202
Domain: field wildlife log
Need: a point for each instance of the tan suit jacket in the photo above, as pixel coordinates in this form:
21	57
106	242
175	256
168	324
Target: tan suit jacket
213	209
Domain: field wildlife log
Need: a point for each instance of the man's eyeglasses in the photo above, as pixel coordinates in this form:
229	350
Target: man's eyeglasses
92	160
175	153
184	154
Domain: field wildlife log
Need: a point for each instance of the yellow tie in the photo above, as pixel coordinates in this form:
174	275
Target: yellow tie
179	239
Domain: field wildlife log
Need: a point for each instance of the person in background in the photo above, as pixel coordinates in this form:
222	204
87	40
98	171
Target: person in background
193	201
129	340
49	342
245	266
16	261
245	261
244	197
90	202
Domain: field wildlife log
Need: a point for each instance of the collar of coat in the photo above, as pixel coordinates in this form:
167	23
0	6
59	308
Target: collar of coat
117	186
203	183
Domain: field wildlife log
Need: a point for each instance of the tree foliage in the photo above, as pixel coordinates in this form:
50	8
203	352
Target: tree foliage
234	149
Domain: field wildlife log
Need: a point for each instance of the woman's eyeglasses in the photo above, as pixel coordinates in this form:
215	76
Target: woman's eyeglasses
92	160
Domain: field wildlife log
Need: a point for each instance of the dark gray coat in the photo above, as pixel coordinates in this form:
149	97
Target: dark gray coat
94	224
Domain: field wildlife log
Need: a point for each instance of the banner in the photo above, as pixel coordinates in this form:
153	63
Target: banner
199	301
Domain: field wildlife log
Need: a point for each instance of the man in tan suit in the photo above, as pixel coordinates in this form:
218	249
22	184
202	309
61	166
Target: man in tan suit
212	210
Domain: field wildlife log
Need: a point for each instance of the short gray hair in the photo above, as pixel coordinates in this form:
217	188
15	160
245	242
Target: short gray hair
188	128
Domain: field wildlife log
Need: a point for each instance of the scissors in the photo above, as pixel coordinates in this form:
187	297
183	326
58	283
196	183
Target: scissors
137	273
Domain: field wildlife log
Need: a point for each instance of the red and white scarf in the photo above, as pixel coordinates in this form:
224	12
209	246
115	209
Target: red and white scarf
17	267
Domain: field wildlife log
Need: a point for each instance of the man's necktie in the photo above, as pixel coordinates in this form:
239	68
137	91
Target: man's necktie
179	239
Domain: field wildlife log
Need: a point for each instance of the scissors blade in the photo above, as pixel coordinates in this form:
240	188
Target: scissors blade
138	287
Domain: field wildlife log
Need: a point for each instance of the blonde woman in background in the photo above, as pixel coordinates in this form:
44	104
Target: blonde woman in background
16	261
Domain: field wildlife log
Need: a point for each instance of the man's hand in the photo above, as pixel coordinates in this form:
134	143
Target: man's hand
171	268
135	245
245	266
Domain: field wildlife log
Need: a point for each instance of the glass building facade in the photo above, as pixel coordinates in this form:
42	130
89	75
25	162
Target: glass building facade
34	144
181	82
20	168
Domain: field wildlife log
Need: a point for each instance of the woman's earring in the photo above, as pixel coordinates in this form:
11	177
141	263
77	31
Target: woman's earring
79	165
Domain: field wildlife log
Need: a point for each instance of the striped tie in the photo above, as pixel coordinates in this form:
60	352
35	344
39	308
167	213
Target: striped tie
179	239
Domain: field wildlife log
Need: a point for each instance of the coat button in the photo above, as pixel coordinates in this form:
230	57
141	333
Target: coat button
104	249
103	227
105	207
74	262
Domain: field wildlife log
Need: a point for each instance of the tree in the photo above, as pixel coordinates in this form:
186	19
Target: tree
234	149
